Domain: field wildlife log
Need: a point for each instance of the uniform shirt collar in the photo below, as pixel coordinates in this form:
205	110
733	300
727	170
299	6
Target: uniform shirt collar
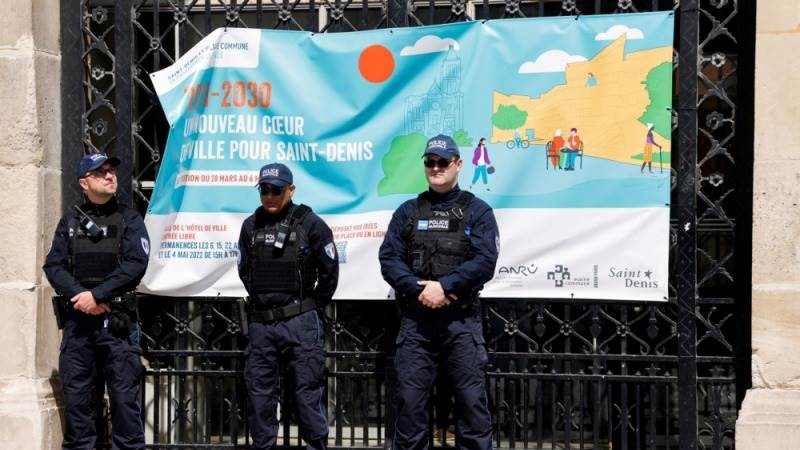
105	209
446	197
265	218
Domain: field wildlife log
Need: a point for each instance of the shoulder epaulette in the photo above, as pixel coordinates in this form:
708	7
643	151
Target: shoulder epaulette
299	213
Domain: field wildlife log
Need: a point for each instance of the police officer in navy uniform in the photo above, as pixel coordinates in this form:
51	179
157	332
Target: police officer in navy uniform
438	252
288	264
98	255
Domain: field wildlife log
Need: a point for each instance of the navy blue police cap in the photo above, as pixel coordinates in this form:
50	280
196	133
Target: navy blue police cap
275	174
442	146
93	161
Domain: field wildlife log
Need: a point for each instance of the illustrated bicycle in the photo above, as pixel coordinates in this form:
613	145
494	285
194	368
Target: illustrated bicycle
517	142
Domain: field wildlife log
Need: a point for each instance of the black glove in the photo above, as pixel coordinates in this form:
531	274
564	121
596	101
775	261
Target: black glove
120	324
124	312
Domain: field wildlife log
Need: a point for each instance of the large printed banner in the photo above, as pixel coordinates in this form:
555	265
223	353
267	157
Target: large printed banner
576	114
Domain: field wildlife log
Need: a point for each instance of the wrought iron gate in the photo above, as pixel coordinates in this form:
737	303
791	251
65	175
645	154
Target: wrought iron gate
563	374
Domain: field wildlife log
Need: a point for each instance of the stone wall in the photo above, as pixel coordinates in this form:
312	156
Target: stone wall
770	415
30	205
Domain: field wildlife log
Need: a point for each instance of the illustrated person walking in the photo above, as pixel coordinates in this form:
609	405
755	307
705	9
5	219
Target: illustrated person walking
481	161
438	252
98	256
289	266
649	142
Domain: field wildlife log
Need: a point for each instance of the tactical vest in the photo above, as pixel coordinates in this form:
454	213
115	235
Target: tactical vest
438	240
287	269
93	259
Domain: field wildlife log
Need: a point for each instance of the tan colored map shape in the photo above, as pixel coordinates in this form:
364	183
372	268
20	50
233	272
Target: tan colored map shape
606	115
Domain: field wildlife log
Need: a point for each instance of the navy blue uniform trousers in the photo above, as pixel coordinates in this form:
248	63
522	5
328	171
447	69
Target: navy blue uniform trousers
85	344
455	340
298	343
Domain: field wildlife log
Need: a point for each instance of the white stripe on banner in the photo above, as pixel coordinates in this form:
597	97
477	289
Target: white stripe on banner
619	252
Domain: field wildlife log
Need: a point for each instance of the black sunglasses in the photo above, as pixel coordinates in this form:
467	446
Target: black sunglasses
101	172
270	189
440	163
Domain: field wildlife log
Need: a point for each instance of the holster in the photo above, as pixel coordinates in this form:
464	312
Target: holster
124	313
60	310
126	303
242	303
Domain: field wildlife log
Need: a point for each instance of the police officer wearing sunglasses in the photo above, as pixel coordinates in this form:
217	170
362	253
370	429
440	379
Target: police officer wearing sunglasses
290	268
439	250
98	255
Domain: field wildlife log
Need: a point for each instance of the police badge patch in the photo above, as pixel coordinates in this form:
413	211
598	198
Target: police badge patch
330	250
145	246
438	225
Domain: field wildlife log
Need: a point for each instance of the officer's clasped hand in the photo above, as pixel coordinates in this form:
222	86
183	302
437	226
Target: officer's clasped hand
85	303
432	294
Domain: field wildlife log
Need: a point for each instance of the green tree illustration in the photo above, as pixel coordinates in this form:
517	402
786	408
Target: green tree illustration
462	138
659	88
509	117
402	166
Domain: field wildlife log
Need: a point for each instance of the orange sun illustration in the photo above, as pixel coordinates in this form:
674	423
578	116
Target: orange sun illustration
376	63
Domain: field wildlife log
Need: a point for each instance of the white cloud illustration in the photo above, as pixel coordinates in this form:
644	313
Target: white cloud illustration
550	61
429	44
617	31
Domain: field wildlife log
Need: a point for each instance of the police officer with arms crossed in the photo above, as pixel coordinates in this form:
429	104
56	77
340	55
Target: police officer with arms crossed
289	266
438	252
99	254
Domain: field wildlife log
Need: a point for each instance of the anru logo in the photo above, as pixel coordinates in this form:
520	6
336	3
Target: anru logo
525	270
559	275
269	173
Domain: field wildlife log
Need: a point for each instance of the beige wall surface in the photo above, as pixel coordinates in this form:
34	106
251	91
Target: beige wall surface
770	416
30	203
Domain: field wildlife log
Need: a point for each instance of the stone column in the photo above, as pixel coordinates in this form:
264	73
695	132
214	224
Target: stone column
770	415
30	205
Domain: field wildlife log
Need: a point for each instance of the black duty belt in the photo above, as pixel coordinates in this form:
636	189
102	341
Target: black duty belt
125	304
283	312
461	306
